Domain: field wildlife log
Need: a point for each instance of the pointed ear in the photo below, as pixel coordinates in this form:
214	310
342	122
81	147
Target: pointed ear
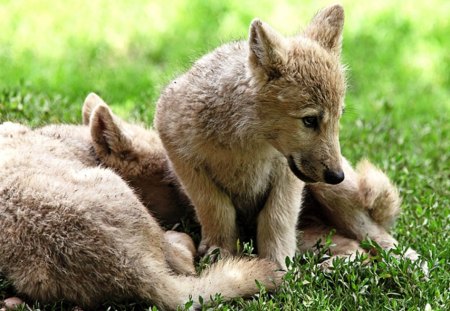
326	28
267	50
107	133
91	101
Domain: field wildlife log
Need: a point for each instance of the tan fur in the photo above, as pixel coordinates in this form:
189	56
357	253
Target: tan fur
73	230
234	121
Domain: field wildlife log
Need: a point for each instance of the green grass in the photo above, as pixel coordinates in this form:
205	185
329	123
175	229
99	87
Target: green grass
398	112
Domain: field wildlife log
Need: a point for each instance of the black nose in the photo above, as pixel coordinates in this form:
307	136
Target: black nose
333	177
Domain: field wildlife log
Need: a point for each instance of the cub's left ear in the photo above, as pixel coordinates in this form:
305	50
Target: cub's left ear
326	28
108	136
91	101
267	50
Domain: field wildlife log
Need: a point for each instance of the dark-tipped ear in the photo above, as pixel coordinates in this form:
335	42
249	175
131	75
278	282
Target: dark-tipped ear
326	28
267	49
91	101
107	134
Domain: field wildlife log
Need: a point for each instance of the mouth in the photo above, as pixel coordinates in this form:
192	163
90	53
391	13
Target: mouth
297	171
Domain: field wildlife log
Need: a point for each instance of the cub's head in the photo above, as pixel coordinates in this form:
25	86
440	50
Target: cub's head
137	155
299	85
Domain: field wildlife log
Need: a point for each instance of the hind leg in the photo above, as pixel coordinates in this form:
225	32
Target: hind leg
339	246
346	208
364	205
315	231
319	234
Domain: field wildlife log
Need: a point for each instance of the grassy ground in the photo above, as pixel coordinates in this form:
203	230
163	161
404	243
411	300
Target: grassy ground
53	53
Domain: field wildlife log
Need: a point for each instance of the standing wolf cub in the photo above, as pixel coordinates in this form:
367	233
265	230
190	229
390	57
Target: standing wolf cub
73	229
252	121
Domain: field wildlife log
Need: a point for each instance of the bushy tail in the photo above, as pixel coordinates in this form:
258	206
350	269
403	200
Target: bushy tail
378	194
230	278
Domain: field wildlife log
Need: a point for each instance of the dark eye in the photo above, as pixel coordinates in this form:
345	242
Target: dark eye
310	122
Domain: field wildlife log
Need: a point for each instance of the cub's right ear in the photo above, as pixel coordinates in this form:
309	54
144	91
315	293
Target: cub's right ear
326	28
108	135
91	101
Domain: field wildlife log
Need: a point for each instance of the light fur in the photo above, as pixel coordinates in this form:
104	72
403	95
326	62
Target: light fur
365	205
73	229
234	127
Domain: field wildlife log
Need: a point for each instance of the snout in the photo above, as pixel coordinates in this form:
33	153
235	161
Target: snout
333	177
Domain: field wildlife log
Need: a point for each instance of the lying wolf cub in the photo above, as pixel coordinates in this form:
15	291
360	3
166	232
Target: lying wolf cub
73	229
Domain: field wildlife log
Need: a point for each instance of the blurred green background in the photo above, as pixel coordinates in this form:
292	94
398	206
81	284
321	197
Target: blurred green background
397	51
53	53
